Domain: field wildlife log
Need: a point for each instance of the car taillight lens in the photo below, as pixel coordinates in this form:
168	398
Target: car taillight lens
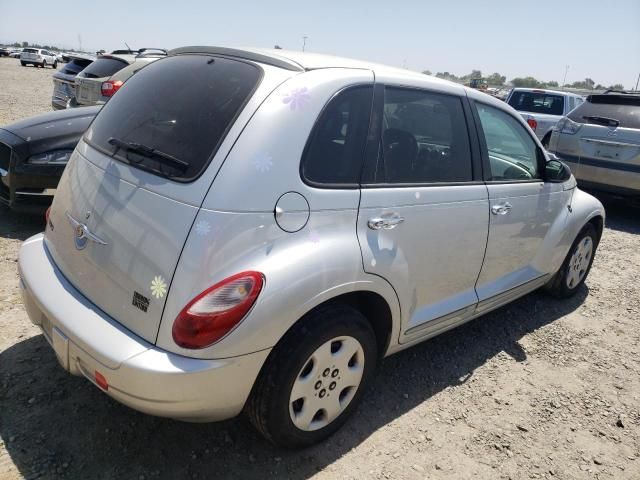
110	87
217	310
532	123
568	126
46	214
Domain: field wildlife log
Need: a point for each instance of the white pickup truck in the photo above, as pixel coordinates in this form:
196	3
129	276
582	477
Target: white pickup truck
542	109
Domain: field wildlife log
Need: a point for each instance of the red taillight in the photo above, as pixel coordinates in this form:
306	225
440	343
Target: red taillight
110	87
212	314
101	381
532	123
46	215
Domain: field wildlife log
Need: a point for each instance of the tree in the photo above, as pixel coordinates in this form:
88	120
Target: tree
617	86
552	83
526	82
25	44
496	79
427	72
589	83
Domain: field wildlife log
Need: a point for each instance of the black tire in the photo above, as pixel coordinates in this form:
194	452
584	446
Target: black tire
268	405
558	285
55	64
23	64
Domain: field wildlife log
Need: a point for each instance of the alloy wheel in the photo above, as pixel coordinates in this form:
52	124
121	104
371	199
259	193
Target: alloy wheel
579	262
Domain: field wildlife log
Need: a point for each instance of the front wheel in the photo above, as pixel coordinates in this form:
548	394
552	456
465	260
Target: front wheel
55	64
576	265
315	377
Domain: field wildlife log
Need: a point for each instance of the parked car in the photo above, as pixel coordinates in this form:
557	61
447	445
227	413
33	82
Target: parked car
5	51
260	237
33	154
38	57
93	85
64	86
542	109
16	53
601	141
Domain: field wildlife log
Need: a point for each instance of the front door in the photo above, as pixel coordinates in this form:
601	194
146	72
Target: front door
423	217
522	208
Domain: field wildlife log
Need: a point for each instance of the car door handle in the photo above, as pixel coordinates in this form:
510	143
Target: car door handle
385	223
501	208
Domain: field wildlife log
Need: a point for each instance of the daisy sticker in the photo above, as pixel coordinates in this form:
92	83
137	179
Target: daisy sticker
297	98
158	287
263	162
203	228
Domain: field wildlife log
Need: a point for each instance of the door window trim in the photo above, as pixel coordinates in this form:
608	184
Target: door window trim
484	150
374	141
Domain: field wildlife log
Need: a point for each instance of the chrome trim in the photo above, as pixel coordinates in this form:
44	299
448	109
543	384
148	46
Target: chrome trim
82	231
44	192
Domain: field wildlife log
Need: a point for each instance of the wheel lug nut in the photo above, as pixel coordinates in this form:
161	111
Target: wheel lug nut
335	373
326	372
318	384
323	392
332	386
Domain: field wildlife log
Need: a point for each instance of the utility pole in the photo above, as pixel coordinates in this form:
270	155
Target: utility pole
564	80
304	42
79	42
637	82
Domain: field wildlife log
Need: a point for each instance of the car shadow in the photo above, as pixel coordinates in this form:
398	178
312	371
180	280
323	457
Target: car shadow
622	214
55	425
19	225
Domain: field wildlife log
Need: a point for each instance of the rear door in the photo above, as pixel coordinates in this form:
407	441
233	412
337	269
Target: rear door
608	141
121	216
422	223
522	207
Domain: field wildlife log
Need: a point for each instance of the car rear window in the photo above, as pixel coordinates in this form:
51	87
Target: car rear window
30	50
75	66
624	109
179	106
104	67
537	102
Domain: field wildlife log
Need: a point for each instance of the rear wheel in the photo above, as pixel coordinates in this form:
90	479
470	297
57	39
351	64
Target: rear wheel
23	64
314	378
576	265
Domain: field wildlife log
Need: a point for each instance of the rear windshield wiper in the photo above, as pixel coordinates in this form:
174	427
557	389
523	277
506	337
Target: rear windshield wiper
609	122
145	151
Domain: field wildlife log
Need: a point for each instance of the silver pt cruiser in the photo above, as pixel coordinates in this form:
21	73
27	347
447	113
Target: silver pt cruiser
258	236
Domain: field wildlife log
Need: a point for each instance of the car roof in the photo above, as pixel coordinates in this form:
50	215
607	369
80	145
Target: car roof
124	57
545	90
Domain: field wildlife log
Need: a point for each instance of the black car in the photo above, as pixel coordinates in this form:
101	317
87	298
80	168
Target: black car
34	152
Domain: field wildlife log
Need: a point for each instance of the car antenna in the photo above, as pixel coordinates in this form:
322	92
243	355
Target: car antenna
128	47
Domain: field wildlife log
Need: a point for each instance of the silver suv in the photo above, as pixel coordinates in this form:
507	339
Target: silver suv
601	141
262	236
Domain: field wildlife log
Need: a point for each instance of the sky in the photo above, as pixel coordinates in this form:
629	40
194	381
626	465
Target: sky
596	39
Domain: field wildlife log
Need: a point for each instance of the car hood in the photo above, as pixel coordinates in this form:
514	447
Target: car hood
60	123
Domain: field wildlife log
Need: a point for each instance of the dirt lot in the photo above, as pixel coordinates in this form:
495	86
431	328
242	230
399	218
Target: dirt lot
539	389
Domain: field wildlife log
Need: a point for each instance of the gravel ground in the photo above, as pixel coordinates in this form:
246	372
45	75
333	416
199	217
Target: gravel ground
539	389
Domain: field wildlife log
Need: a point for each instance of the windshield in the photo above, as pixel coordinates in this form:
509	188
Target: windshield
623	109
180	107
537	102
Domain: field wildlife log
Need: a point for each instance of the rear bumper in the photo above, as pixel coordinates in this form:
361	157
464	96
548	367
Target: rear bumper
609	176
139	374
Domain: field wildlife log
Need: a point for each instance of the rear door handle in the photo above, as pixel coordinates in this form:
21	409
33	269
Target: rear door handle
501	208
385	223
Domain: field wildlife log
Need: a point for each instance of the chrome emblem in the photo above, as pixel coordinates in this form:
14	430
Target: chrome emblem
82	234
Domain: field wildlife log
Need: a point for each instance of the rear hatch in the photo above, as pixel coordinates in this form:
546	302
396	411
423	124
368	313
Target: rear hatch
545	108
89	81
30	54
132	188
608	139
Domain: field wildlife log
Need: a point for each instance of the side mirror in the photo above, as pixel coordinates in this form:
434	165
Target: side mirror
556	171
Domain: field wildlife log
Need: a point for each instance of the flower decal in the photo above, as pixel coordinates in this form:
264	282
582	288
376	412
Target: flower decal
203	228
297	98
158	287
263	162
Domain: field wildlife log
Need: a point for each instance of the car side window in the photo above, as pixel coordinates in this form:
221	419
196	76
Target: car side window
513	154
424	139
335	149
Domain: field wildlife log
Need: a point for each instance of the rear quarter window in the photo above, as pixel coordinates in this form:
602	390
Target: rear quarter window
623	108
76	66
104	67
181	106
